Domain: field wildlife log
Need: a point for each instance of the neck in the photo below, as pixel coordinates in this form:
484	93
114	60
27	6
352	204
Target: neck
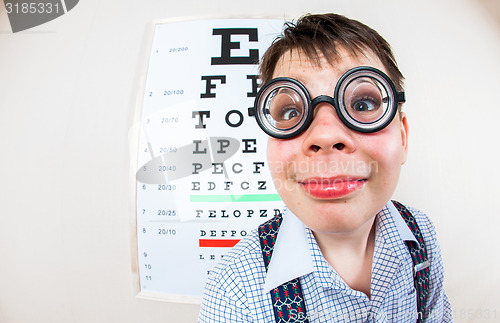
350	254
357	241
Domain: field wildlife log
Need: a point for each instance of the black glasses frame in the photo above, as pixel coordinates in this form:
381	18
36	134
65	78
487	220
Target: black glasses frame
394	98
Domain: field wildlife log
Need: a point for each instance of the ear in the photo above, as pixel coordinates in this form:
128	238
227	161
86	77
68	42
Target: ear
404	136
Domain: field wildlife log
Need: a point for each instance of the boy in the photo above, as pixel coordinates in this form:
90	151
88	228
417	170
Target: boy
331	105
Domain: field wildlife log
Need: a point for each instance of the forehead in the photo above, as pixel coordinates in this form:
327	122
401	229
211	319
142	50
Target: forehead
297	65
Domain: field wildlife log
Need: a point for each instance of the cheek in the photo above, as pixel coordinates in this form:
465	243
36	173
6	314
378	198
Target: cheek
386	151
280	153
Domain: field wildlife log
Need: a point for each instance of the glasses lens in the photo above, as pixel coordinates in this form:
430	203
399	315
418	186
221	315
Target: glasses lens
286	108
281	107
365	100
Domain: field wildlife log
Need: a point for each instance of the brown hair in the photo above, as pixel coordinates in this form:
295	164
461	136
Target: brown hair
315	34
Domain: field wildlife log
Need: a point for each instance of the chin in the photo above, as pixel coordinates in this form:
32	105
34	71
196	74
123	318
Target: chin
335	216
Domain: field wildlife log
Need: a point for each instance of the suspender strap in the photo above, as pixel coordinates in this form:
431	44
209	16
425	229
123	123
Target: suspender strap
420	261
288	299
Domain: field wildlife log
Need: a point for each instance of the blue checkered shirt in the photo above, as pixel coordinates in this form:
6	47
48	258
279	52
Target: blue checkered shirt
238	289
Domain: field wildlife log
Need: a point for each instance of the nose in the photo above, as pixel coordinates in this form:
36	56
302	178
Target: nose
327	133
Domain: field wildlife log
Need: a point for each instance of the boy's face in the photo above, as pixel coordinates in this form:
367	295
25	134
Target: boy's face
331	177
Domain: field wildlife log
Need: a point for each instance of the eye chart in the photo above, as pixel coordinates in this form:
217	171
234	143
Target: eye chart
202	179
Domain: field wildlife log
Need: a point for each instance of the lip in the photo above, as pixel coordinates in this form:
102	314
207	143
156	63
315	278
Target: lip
332	187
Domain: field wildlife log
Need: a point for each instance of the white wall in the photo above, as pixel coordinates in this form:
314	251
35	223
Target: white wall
67	99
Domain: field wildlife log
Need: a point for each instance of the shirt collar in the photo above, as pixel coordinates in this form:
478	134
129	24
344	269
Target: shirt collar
292	256
401	226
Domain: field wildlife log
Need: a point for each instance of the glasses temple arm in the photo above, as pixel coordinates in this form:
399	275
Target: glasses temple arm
400	97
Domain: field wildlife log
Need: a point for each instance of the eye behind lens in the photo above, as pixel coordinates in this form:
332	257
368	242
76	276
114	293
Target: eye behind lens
365	105
281	107
286	108
362	98
365	99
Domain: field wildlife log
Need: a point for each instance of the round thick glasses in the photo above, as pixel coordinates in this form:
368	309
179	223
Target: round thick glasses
365	99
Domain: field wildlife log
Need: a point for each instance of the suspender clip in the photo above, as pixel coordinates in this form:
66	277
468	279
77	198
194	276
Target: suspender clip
421	266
